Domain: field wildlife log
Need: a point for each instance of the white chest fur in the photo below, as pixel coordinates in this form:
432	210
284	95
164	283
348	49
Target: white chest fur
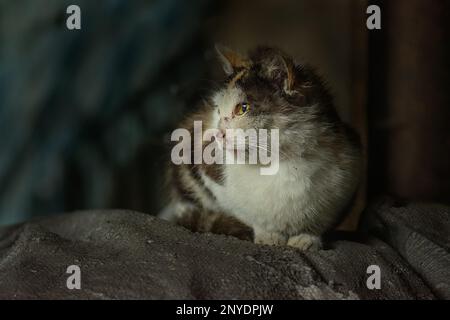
273	203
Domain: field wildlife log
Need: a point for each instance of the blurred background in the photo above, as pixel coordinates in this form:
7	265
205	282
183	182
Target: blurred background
84	114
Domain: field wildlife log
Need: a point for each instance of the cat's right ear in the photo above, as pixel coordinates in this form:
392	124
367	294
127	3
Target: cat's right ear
231	61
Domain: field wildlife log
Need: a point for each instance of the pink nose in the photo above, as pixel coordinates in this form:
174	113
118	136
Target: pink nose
220	134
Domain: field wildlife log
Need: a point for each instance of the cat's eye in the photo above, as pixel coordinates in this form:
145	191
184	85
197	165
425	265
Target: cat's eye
241	108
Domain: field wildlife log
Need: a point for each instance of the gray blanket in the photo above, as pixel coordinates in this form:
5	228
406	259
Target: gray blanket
131	255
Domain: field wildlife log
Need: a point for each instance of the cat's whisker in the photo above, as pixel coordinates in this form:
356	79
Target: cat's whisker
267	150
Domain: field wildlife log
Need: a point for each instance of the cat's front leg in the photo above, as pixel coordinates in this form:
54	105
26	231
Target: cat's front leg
305	242
269	238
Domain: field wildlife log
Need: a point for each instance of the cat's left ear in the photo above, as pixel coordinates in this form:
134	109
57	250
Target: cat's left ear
281	68
231	61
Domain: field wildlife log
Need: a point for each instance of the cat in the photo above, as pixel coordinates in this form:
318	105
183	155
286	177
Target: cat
319	156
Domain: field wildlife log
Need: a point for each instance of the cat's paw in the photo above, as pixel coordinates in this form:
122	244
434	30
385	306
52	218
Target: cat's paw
270	238
305	242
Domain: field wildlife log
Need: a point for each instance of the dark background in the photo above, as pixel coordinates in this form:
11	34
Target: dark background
84	115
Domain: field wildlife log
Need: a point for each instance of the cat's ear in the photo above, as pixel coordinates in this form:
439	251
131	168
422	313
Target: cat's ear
278	67
231	61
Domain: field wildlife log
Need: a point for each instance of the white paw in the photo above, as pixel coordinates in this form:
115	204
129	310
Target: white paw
305	242
270	238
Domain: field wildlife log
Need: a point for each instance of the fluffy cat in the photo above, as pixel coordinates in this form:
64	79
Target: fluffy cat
319	161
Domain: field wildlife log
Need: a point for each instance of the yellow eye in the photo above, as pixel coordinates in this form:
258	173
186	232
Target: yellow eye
241	108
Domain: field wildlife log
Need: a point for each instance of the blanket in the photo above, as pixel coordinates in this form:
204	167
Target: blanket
123	254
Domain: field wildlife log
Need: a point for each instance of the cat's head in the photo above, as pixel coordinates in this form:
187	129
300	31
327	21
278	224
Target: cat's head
267	90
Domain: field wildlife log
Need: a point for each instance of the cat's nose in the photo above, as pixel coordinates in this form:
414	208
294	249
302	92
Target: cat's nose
220	134
226	119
